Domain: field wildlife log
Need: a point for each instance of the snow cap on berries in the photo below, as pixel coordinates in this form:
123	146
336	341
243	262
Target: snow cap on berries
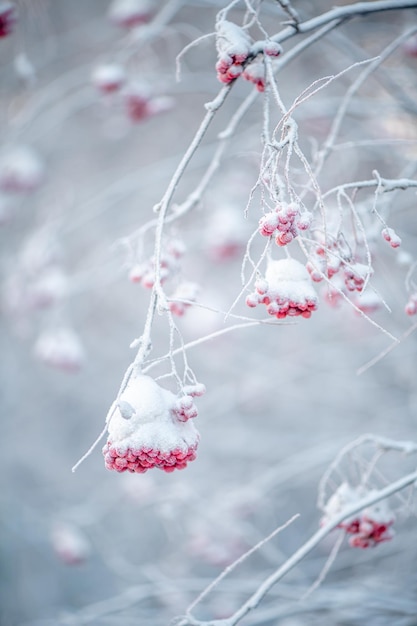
344	497
48	289
391	237
233	48
70	544
108	78
130	13
232	41
21	170
272	48
225	234
286	290
184	291
356	275
60	348
366	528
155	432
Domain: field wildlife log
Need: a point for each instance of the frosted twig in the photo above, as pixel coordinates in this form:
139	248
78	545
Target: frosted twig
387	350
337	122
238	561
254	600
90	449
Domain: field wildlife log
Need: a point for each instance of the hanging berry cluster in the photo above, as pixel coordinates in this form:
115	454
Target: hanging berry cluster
145	273
285	222
367	528
8	18
130	13
151	427
235	57
286	290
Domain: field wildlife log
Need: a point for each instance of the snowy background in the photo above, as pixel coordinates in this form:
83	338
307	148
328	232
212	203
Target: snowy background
280	402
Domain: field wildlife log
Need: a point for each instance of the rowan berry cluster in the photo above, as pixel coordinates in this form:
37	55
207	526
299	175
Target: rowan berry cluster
150	427
225	233
391	237
145	273
130	13
334	261
233	48
367	528
109	78
367	532
235	55
286	290
185	291
8	18
21	170
411	306
60	348
285	222
70	544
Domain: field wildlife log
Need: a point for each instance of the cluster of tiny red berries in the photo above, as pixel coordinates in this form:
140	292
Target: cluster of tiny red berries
285	291
279	305
184	408
142	459
130	13
411	306
145	273
327	262
391	237
285	222
234	51
185	291
366	532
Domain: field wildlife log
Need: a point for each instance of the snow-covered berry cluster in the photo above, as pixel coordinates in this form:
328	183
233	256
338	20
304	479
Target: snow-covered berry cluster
285	222
70	544
109	78
21	170
367	528
130	13
324	262
235	56
355	275
391	237
347	274
151	427
185	291
60	348
225	233
286	290
136	100
37	280
145	273
411	306
233	49
8	18
139	103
